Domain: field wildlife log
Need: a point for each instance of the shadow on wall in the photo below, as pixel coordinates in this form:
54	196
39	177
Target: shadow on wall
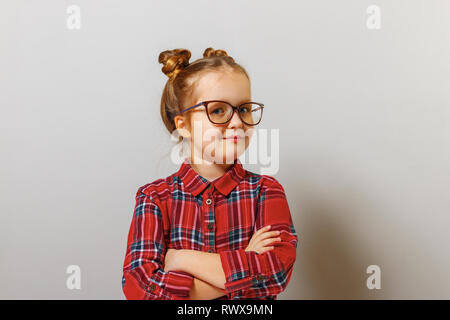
330	259
332	254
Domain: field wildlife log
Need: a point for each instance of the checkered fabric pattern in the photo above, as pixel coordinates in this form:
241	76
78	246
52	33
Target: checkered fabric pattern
186	211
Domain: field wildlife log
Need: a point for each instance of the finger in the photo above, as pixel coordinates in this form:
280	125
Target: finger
269	241
265	249
269	234
261	232
265	235
263	229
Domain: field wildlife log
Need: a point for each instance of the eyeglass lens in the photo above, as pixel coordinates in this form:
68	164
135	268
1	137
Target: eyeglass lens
220	112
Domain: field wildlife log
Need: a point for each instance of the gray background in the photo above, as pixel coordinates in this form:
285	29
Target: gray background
364	136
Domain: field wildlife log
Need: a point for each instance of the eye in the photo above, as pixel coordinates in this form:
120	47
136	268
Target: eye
217	111
244	110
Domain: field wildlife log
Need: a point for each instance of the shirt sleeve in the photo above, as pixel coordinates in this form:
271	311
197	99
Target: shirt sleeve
250	275
144	277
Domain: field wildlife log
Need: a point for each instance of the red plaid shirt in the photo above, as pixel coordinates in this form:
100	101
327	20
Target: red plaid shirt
186	211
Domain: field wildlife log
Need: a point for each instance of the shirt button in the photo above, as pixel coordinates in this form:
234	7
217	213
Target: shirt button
210	251
209	226
260	278
152	287
208	201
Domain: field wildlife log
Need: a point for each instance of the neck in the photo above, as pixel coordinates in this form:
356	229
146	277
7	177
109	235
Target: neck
210	170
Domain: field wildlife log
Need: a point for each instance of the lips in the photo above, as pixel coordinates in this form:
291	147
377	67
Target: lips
233	138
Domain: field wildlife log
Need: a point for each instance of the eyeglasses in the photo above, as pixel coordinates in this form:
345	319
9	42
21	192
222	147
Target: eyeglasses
220	112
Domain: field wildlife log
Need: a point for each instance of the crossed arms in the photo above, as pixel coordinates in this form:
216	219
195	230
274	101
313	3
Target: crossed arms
191	274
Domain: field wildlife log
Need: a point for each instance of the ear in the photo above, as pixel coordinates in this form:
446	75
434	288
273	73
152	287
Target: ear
182	126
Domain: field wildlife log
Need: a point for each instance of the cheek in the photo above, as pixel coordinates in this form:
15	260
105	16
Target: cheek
211	134
249	132
201	131
210	139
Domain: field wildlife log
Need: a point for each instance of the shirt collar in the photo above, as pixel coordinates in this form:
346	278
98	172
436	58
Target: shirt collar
195	184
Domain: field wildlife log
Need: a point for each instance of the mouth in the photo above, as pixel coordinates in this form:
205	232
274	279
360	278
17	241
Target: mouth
233	138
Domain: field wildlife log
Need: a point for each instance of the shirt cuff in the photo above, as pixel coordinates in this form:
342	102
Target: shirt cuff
175	286
242	271
179	283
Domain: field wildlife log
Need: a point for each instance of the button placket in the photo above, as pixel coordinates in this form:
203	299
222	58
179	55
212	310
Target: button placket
209	220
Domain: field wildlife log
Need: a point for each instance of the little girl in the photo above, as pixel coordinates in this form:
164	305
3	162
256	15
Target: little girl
211	230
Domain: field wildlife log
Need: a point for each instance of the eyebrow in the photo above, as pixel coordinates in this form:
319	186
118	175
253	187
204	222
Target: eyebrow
239	103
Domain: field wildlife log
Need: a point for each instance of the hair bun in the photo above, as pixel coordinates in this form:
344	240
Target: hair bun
174	61
210	52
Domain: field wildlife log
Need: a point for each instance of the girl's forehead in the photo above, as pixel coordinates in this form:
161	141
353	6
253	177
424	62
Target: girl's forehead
232	87
216	78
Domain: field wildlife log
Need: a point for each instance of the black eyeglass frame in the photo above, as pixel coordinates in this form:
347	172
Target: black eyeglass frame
205	104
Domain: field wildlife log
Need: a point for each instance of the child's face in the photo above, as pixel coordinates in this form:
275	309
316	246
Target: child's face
208	139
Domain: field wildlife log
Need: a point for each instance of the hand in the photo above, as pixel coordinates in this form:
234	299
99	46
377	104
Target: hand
261	239
170	260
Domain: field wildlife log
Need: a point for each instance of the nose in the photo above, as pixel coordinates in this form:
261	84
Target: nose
235	121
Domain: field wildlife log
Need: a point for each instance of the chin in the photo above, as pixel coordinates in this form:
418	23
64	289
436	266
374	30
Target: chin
230	157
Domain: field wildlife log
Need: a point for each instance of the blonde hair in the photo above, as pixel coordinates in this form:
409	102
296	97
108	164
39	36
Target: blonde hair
183	76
